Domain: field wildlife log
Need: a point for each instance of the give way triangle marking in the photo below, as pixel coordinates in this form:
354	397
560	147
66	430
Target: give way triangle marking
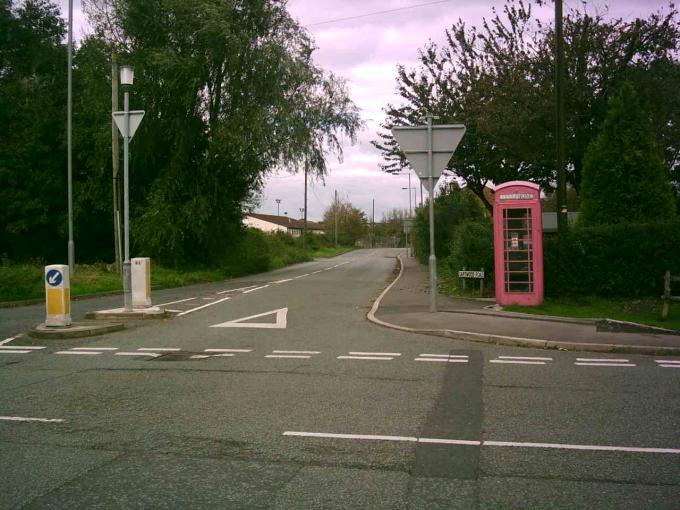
280	323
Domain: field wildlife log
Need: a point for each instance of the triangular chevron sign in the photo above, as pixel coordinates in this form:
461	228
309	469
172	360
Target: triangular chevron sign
281	321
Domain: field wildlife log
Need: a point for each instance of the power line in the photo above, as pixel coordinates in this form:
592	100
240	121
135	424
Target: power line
376	13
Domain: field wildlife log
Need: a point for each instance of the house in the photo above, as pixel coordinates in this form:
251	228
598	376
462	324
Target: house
271	223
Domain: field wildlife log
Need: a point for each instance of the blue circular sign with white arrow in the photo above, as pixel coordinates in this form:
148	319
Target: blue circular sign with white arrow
54	277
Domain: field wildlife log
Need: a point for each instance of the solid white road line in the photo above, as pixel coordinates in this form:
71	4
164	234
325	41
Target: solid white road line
21	418
443	360
93	349
29	347
14	352
560	446
154	354
235	290
202	306
298	356
159	349
444	355
353	353
256	288
301	276
449	441
603	360
284	281
227	350
525	358
178	301
223	355
296	352
601	448
7	340
667	361
669	366
365	357
606	364
517	362
199	356
78	352
350	436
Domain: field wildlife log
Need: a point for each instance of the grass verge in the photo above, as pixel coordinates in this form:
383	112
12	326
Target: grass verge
643	311
19	282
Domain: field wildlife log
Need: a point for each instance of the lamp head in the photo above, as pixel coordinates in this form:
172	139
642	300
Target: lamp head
127	75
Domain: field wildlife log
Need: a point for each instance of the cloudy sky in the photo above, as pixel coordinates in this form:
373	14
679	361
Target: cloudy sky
365	50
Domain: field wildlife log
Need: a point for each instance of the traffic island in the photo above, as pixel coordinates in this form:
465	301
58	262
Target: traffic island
76	329
151	312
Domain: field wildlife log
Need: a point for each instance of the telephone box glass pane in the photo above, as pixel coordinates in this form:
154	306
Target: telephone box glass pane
518	251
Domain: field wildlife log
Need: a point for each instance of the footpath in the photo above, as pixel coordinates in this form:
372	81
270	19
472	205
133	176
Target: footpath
404	305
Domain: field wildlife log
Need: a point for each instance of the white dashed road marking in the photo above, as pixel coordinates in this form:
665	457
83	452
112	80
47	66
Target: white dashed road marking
296	356
256	288
560	446
191	310
79	352
12	351
94	349
153	354
366	357
29	347
21	418
354	353
516	362
159	349
525	358
227	350
296	352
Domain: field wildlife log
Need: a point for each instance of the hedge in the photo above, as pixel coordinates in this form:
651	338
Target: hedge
627	260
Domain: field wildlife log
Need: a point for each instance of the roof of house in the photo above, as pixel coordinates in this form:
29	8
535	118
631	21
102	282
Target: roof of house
287	222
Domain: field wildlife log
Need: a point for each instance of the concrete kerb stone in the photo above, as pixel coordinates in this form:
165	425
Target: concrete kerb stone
153	312
513	341
77	329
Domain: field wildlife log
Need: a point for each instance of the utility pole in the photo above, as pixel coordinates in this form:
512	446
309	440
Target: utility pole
115	151
373	226
336	218
278	210
433	258
562	214
69	114
304	230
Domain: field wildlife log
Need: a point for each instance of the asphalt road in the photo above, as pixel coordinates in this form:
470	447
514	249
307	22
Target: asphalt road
312	406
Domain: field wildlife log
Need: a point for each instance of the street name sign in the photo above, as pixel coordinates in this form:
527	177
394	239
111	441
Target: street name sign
136	117
470	274
412	141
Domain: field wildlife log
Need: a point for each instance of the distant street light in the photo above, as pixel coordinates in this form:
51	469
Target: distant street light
278	203
302	211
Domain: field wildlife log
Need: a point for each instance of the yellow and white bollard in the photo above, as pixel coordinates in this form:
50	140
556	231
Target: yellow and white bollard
141	282
57	295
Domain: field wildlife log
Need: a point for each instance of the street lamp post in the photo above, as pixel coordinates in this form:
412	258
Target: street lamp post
69	114
127	76
410	215
278	203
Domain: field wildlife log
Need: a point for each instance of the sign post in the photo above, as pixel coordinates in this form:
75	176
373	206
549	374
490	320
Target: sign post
428	149
127	122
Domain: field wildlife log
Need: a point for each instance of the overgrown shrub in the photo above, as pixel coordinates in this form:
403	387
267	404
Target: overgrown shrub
452	207
472	247
626	260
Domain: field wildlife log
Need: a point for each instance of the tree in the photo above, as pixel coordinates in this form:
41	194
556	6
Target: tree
624	176
352	223
32	118
498	81
231	93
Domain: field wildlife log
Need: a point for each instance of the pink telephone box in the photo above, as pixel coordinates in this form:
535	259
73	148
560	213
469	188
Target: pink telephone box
518	243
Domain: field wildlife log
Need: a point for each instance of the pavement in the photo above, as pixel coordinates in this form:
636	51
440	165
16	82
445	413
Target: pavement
405	306
274	391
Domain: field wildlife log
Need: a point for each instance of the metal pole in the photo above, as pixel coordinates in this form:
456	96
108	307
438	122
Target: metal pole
278	210
71	245
115	164
373	226
410	215
304	230
432	258
562	215
127	276
336	218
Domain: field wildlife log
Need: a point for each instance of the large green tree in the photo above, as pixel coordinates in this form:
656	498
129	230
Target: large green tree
231	94
497	79
32	131
624	176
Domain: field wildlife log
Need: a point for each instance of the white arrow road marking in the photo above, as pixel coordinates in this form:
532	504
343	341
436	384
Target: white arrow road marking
281	321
